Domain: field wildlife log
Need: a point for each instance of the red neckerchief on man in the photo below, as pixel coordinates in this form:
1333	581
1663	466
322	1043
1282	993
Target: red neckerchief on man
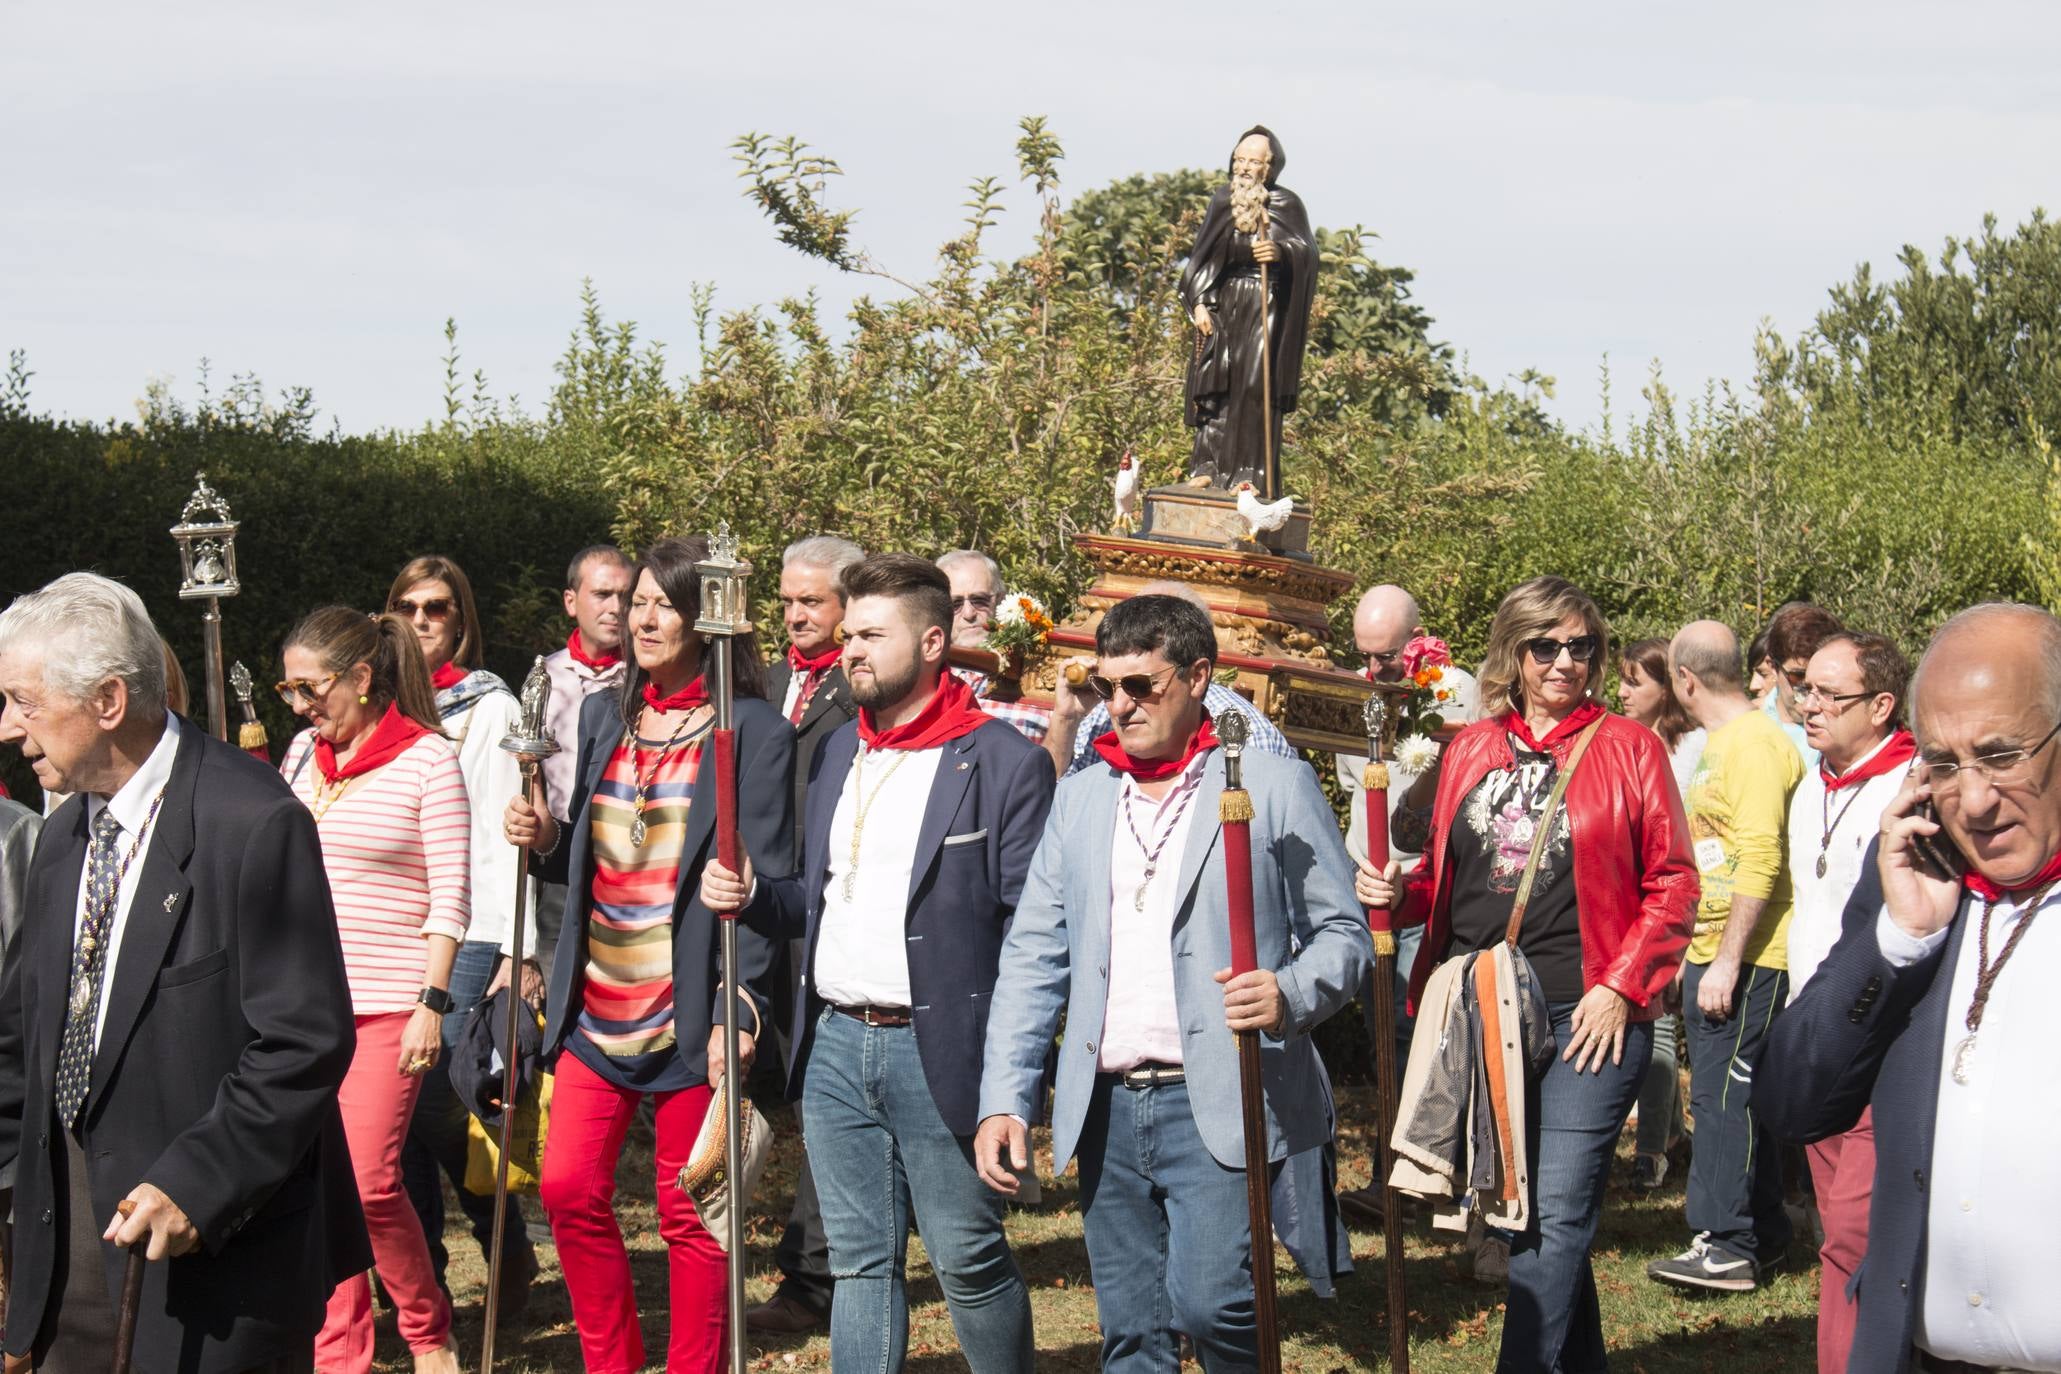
593	663
694	694
812	671
1890	756
950	713
1577	720
447	676
1153	770
393	734
1991	892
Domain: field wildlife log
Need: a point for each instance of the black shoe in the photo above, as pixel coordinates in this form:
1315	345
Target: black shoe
1707	1265
518	1272
784	1314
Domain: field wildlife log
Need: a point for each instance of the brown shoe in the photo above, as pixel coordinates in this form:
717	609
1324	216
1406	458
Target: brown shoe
783	1314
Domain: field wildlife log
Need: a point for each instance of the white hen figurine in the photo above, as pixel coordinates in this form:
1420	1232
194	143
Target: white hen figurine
1261	517
1127	473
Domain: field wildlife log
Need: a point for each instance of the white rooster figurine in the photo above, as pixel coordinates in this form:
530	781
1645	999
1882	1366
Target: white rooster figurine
1127	474
1261	517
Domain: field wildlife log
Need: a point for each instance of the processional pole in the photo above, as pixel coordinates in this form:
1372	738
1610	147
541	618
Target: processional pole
723	578
1381	924
1234	812
531	741
207	558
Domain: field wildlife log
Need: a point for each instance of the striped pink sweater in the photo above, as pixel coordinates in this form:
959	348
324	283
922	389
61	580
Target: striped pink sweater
397	846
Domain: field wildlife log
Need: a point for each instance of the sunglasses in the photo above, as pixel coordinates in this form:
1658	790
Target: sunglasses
310	692
1137	686
1545	650
979	601
437	608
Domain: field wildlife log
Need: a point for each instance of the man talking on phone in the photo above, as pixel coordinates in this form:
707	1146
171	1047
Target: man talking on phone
1935	1008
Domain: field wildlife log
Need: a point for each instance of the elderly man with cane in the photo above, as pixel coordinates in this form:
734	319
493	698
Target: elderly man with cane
174	1023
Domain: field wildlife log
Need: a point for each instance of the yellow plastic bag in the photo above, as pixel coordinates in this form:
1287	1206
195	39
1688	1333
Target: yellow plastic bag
526	1147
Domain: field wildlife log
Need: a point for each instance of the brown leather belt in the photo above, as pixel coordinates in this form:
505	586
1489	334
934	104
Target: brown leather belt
876	1016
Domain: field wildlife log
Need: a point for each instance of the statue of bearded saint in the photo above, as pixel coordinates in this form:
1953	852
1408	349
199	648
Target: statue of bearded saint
1232	400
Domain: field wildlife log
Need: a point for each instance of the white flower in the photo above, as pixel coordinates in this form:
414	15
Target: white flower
1416	755
1010	611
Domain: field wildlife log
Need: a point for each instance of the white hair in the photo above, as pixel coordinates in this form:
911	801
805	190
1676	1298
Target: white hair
994	569
826	551
89	628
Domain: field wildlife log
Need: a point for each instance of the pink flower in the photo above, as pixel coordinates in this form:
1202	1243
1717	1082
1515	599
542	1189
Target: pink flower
1425	651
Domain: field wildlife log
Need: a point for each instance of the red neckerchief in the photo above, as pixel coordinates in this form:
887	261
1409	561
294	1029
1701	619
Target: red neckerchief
1152	770
811	671
1577	720
687	698
394	733
447	677
1991	892
597	663
948	714
1899	749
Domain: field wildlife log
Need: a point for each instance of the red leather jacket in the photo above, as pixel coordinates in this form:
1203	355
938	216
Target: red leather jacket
1635	884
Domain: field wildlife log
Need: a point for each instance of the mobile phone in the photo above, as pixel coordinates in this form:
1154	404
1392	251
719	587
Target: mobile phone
1936	855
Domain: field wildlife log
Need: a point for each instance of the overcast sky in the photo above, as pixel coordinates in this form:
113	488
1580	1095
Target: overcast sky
306	193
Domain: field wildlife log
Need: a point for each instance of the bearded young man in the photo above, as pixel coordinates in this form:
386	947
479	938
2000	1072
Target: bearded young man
1127	893
921	822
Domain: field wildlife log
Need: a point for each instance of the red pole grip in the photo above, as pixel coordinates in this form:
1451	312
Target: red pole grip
726	805
1377	849
1237	840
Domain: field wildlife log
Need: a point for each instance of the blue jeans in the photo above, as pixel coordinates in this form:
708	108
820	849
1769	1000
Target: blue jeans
1552	1323
1735	1171
1169	1243
1660	1096
878	1148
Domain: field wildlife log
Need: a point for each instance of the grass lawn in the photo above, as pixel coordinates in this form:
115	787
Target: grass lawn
1454	1323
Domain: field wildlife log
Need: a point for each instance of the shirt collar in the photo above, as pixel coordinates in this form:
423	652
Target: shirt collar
1862	761
131	805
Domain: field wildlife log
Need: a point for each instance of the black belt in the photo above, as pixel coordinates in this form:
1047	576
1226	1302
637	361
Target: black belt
1152	1076
876	1016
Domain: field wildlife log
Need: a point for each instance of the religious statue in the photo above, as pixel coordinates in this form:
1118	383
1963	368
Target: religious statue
1250	277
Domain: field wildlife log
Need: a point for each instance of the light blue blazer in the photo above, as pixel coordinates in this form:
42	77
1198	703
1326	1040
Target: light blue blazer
1311	932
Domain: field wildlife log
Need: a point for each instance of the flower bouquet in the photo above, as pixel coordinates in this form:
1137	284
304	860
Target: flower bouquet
1421	713
1022	629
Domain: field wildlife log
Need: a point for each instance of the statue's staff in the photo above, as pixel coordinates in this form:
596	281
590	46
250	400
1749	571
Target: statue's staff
1381	924
722	619
1234	811
1271	480
531	742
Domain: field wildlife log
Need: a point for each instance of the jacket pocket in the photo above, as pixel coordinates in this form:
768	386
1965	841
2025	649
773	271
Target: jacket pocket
193	970
970	837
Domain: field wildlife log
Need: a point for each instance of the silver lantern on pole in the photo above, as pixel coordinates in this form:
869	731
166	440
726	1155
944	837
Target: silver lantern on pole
206	535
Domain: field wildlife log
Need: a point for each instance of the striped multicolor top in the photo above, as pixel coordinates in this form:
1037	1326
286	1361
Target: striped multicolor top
626	1001
397	846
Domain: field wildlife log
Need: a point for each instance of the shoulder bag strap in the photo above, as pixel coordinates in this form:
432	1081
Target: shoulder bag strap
1545	828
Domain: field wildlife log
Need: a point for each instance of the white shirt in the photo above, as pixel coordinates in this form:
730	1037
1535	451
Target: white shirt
1994	1190
862	956
1855	814
1465	710
1143	1024
572	682
493	778
1687	753
131	809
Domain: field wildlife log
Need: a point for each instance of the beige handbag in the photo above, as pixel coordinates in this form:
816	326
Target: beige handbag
704	1178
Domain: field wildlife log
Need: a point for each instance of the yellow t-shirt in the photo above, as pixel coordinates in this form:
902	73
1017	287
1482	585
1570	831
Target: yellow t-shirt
1738	803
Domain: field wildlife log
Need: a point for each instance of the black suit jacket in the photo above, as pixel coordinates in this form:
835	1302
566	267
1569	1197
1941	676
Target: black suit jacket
765	829
828	709
974	843
1865	1032
228	1032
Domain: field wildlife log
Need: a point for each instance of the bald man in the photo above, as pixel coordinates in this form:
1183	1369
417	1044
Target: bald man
1736	980
1936	1006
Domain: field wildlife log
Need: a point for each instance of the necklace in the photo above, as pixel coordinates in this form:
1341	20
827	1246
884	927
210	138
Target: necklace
89	944
644	779
1986	975
1832	824
328	795
1152	851
866	800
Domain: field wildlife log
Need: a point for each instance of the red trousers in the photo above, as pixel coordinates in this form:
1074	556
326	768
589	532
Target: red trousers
589	1117
1843	1173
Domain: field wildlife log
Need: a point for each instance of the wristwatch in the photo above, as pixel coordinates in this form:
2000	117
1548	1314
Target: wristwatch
437	1000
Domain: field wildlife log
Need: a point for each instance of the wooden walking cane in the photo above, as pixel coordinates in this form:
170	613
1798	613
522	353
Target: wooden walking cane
1234	811
1381	924
722	619
132	1297
531	742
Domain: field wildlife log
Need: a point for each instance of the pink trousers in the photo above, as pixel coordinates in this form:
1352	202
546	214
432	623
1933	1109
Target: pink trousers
1843	1173
377	1101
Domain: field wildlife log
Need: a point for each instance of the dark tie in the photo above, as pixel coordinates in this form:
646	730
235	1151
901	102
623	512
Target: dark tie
89	968
810	683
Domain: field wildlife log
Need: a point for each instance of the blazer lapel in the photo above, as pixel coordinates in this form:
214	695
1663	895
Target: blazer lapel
157	907
1928	1029
955	768
60	864
830	697
835	763
1203	829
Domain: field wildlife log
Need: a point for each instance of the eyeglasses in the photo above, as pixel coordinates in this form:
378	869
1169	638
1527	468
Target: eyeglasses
2005	766
1137	686
980	601
436	608
310	692
1545	650
1384	657
1794	676
1825	698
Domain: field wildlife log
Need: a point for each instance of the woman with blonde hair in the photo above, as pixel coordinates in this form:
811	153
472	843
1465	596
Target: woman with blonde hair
433	594
1611	907
383	784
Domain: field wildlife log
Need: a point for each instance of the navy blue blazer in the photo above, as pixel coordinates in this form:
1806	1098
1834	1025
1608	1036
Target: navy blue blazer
1865	1032
765	821
973	847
